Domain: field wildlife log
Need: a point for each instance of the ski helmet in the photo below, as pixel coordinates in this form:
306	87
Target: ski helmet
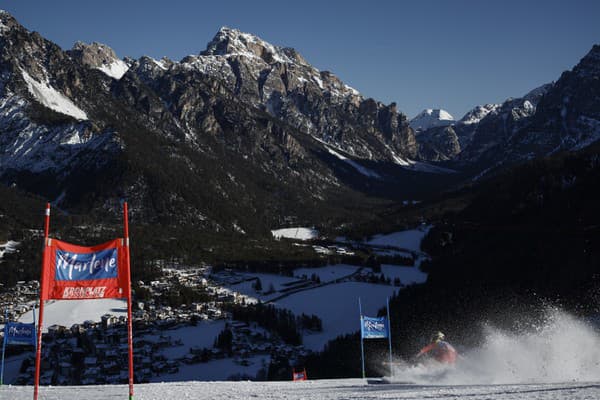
437	337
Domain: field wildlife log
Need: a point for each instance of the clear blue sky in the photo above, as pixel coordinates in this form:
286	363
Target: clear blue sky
419	54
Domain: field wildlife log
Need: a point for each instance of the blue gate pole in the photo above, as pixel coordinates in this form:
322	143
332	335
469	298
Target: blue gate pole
362	347
390	336
4	347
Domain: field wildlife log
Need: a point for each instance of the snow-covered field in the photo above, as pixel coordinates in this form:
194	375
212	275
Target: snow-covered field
202	335
277	281
409	239
407	275
348	389
328	273
295	233
337	306
216	370
69	312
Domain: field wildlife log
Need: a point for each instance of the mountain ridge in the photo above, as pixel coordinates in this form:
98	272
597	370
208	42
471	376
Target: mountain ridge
241	116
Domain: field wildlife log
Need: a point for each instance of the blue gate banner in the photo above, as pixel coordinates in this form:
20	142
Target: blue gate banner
374	328
19	333
71	266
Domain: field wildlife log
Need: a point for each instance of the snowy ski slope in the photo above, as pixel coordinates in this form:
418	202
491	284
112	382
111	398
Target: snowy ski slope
348	389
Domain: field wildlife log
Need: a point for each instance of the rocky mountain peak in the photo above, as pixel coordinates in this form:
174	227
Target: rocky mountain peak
94	52
590	64
232	42
478	113
7	22
99	56
535	95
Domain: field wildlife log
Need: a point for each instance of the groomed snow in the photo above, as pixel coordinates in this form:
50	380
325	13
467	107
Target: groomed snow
69	312
295	233
52	98
334	389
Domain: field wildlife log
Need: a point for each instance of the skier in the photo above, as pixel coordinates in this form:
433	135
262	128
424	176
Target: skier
439	349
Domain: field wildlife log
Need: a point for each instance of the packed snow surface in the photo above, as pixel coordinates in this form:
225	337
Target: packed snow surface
348	389
52	98
69	312
296	233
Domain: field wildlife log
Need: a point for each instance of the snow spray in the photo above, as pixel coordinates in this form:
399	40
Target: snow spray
561	349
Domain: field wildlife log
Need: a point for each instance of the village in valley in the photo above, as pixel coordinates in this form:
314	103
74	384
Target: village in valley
226	323
95	352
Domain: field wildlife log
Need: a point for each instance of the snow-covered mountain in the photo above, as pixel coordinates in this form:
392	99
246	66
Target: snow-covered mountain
431	118
280	82
478	113
555	117
242	116
99	56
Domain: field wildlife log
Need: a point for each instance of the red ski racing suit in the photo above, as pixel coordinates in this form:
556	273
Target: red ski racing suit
441	351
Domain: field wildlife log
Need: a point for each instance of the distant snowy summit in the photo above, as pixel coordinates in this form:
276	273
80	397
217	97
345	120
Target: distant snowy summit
478	113
431	118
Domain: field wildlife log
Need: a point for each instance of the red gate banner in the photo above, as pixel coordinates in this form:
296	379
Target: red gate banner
72	272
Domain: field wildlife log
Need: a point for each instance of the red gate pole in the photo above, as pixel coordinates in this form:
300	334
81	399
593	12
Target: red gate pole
38	350
129	319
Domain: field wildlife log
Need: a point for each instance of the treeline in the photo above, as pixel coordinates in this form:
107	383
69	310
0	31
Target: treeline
280	321
286	263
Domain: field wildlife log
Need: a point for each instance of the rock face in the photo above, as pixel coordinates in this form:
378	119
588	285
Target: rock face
497	126
46	137
282	83
438	144
99	56
233	138
557	117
